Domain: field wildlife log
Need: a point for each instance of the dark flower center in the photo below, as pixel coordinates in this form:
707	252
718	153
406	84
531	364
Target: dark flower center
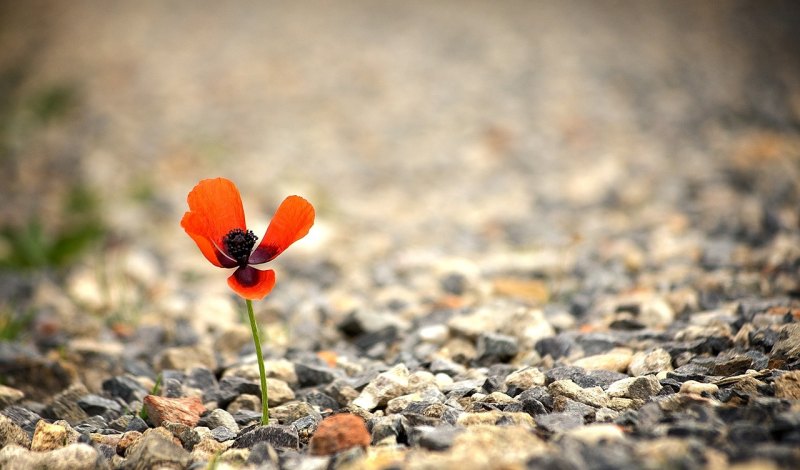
239	244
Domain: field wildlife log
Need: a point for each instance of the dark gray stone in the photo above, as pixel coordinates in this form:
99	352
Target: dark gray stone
311	375
277	435
125	387
136	424
246	417
438	438
540	395
385	426
201	379
563	373
222	434
598	378
65	405
97	405
495	347
172	388
92	424
23	418
319	399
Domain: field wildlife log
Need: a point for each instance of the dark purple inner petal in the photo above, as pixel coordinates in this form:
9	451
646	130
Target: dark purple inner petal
263	253
247	276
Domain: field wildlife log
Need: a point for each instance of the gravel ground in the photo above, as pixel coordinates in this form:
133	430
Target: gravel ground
549	234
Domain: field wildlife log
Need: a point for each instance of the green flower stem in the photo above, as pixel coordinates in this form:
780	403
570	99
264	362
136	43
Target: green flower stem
260	357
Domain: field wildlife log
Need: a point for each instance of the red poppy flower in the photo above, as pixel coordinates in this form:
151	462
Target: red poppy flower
215	222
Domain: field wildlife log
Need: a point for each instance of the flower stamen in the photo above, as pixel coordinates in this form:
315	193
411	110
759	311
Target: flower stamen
239	243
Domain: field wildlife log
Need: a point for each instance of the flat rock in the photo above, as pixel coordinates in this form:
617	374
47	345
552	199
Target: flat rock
65	404
177	410
525	378
277	435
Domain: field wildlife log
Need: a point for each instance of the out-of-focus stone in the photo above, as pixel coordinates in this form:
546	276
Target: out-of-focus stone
291	412
9	396
651	362
70	457
245	401
617	359
594	434
698	388
185	358
525	378
593	396
641	388
337	433
788	385
384	387
48	437
11	434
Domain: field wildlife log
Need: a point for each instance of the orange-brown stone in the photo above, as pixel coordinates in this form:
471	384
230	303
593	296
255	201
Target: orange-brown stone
176	410
339	432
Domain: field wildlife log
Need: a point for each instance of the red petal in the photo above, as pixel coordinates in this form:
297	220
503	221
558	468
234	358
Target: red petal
292	221
216	209
196	227
252	283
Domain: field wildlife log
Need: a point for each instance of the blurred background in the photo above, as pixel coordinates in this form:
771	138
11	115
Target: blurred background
509	136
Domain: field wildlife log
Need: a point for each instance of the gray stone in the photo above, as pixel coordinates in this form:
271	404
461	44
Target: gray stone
277	435
437	438
559	422
291	412
65	404
154	450
222	434
97	405
495	347
311	375
384	387
217	418
125	387
635	387
24	418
